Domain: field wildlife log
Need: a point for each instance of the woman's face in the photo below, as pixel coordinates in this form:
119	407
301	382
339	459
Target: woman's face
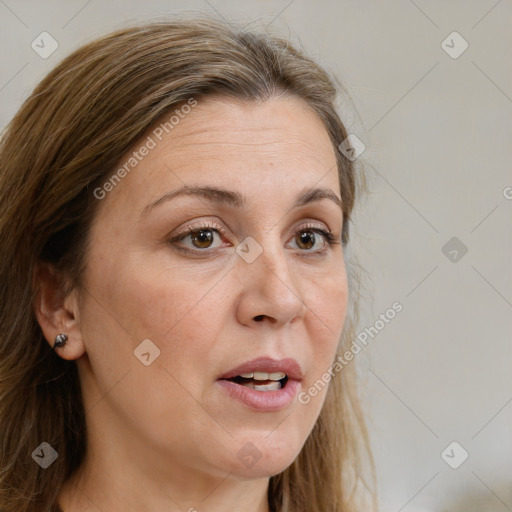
255	279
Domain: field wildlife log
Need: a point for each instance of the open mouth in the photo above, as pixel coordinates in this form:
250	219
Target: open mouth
263	384
261	381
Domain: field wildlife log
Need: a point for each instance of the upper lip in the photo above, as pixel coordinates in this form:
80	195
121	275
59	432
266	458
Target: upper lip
266	364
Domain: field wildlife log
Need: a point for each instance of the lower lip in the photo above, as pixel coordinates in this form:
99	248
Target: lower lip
265	401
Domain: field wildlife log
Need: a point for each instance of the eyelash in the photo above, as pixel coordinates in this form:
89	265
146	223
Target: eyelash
328	236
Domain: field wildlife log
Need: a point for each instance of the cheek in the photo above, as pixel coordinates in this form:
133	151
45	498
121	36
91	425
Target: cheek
327	301
180	319
180	312
327	309
144	300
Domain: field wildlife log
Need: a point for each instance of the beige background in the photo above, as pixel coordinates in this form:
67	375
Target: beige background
438	134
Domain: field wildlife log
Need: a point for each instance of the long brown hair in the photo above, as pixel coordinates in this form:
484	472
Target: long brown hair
62	144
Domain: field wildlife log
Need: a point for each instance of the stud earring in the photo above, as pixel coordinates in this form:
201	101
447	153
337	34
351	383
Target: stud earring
60	340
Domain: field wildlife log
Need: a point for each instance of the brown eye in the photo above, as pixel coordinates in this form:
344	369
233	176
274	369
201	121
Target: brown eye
313	240
306	239
202	238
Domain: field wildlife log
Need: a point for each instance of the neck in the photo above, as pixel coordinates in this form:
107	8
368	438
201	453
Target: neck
116	478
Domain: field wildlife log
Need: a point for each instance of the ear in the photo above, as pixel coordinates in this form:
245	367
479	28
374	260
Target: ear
55	313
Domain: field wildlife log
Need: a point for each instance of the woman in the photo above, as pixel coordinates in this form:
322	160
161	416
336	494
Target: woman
174	290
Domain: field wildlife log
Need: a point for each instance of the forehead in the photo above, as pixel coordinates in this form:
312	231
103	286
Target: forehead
256	146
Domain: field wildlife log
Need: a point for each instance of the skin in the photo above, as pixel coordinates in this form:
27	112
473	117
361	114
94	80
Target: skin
163	437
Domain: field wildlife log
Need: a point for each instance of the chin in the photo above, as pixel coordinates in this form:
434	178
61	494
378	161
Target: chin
261	469
264	460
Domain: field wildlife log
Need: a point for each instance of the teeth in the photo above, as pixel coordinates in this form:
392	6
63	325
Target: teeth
265	376
273	386
247	375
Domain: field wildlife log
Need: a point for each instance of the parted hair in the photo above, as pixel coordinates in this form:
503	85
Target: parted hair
62	144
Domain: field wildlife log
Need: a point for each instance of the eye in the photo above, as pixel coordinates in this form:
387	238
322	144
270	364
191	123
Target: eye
199	239
314	239
207	238
202	238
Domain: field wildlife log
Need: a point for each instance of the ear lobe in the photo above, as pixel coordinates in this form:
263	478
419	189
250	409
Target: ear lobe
55	312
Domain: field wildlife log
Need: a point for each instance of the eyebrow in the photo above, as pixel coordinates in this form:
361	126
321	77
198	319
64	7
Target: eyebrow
237	200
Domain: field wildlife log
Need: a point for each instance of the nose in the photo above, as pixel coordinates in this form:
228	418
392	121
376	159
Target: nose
269	292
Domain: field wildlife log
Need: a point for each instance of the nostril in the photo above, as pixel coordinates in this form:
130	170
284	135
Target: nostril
259	318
